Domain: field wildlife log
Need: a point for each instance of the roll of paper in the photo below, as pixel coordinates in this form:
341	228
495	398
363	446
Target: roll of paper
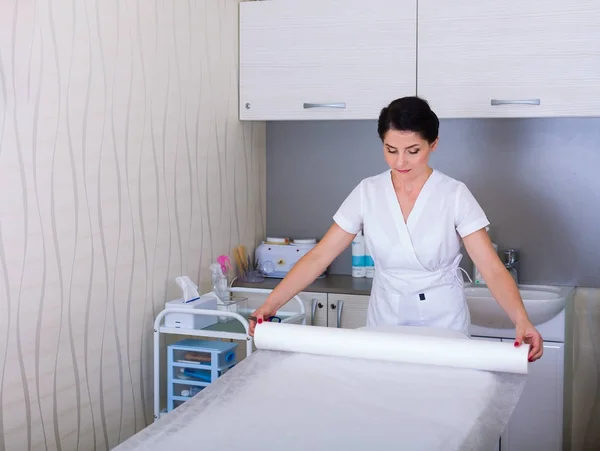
395	347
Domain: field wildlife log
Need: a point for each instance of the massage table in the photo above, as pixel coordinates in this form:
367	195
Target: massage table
318	388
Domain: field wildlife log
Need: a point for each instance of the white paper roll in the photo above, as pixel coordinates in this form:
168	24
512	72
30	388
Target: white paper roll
396	347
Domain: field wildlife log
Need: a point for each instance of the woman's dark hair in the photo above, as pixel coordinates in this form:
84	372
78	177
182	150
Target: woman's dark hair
409	114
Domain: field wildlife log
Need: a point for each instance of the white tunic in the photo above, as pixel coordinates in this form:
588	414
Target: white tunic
417	278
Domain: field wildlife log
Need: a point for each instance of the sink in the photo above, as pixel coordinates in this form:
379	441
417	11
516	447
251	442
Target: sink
542	302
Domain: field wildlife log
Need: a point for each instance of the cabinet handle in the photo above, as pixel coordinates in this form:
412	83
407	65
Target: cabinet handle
314	306
341	105
496	102
340	306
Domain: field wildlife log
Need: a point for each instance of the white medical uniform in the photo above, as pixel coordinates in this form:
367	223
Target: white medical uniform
417	278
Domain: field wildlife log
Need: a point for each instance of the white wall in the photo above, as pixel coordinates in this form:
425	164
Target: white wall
122	166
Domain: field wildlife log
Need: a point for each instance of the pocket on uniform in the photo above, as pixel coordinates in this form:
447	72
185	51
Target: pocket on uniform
442	306
383	306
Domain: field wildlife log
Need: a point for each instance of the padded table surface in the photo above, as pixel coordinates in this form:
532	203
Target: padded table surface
276	400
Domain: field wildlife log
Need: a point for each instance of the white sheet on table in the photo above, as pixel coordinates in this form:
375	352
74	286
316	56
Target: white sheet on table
279	400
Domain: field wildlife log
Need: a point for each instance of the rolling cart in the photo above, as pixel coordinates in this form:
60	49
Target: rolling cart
236	329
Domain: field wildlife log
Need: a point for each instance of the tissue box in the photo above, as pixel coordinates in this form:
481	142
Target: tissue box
188	320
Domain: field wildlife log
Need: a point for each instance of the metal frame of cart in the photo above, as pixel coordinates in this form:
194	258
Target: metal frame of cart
217	331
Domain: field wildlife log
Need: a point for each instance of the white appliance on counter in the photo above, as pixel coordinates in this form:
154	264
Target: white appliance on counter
277	256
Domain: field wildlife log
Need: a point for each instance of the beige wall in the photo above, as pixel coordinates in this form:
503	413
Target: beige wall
122	166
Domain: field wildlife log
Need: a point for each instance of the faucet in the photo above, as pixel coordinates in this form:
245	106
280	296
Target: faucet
511	262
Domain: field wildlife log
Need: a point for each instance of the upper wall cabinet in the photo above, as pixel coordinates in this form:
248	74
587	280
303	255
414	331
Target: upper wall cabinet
513	58
325	59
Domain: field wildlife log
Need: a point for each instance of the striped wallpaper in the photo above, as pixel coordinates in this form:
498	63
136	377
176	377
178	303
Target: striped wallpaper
122	166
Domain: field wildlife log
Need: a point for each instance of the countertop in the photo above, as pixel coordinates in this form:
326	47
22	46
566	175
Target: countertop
332	283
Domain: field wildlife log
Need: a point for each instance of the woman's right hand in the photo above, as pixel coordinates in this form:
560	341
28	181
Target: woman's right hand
264	311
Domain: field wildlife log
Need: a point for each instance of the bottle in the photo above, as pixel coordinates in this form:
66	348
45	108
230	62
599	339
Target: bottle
219	282
477	277
369	263
358	256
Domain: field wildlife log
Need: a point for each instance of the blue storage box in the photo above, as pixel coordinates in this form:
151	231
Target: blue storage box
194	364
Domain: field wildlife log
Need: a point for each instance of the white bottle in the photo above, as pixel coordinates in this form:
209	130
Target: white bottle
369	263
358	256
477	277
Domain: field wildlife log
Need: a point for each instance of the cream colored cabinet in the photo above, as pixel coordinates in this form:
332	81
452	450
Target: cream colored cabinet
316	308
347	311
325	59
512	58
346	59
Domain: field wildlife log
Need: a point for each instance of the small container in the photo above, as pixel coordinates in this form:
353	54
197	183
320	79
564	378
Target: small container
254	276
186	391
235	304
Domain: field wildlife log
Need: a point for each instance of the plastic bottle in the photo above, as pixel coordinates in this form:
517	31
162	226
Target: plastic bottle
477	277
358	256
369	263
219	282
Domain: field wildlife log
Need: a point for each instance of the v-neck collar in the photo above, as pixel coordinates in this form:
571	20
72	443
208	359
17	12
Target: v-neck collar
419	202
403	228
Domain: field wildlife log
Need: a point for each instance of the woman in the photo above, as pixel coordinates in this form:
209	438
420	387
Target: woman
413	218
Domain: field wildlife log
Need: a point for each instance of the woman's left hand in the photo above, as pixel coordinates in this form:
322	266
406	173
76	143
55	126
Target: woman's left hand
527	333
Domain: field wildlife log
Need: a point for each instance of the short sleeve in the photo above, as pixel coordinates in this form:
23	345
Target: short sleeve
469	216
350	214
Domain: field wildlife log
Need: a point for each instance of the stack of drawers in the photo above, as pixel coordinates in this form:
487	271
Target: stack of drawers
194	364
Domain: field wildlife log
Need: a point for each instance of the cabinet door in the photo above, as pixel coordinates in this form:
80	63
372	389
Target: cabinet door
537	422
347	311
325	59
314	304
318	300
499	59
316	308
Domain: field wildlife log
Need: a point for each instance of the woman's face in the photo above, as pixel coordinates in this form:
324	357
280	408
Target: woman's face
406	153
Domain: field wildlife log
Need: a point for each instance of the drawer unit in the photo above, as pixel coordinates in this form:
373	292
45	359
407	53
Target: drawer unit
194	364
